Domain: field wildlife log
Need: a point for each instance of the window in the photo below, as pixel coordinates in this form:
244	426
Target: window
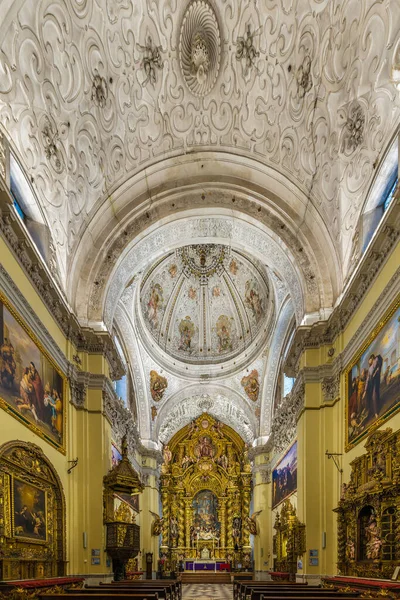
381	195
121	386
288	383
27	209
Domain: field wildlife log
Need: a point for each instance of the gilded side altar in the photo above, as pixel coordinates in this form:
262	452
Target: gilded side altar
206	490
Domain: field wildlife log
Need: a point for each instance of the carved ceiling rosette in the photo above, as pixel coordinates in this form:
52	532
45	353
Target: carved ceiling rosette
200	48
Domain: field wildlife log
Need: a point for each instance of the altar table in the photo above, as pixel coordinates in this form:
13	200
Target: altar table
207	565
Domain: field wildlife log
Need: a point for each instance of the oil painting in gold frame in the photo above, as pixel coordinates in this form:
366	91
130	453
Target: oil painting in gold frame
373	379
32	387
29	512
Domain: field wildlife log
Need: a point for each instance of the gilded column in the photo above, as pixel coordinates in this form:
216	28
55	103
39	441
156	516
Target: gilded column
229	528
188	523
165	526
246	510
181	520
222	518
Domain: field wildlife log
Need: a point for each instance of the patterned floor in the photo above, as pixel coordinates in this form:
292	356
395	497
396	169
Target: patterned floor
207	591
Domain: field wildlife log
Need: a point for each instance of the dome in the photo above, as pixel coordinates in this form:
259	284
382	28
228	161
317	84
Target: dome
206	303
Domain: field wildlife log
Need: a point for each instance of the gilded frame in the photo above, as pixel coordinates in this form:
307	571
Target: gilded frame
30	540
392	410
10	409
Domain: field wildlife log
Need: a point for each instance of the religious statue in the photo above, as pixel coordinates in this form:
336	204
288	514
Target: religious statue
173	528
236	530
350	549
156	527
374	541
204	448
167	455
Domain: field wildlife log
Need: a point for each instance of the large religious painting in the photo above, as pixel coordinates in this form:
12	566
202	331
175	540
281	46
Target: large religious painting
131	500
373	380
284	476
31	386
205	515
29	511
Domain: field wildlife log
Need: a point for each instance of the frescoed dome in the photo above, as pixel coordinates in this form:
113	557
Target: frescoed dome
206	303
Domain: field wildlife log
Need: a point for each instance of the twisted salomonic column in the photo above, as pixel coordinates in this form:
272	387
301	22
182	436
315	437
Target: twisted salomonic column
165	525
246	513
181	520
222	518
230	505
188	523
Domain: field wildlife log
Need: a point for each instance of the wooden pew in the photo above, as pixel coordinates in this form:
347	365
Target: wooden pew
255	593
107	595
175	584
280	585
163	592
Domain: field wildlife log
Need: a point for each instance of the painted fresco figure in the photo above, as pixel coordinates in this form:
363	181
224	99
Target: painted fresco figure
372	384
8	365
39	390
27	394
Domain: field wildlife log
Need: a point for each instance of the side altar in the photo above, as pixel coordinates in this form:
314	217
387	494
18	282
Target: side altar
206	491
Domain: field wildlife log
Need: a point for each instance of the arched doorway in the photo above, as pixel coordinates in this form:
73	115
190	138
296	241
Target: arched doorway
206	493
33	513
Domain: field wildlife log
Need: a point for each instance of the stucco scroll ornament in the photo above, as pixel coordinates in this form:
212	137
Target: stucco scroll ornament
51	142
99	90
285	418
331	387
2	157
246	50
303	77
77	393
353	129
151	62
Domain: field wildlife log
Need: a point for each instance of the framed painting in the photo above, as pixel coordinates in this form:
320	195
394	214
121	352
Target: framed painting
32	388
284	476
132	501
373	380
29	511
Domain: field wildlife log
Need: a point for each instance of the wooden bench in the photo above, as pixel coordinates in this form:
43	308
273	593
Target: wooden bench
163	592
174	584
279	585
107	595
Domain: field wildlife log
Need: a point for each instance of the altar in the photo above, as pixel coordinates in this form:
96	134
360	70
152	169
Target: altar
214	566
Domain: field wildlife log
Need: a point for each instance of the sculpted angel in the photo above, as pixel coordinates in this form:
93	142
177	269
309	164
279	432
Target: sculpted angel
252	523
156	526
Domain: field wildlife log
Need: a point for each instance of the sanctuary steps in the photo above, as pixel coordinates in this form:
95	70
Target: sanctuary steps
206	577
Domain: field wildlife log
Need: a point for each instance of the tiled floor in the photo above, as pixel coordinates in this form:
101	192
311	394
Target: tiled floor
204	591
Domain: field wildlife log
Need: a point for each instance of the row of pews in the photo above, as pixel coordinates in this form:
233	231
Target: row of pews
122	590
265	590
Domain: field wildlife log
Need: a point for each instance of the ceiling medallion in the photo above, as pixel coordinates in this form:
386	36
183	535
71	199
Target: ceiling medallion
200	48
203	260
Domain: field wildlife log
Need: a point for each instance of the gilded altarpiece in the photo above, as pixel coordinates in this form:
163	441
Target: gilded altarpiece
369	509
289	541
32	514
206	491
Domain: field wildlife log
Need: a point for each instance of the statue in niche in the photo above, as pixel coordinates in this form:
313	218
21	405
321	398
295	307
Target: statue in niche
204	448
374	541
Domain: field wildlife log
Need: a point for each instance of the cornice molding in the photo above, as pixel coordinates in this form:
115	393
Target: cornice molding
323	333
84	339
286	416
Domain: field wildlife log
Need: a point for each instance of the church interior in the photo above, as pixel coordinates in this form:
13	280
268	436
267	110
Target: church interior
199	299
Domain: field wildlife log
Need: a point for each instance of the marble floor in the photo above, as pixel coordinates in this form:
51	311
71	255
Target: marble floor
207	591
